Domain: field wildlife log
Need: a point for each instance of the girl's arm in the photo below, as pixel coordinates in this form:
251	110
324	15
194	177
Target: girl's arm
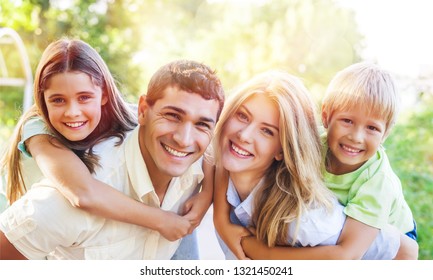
74	181
354	241
230	233
196	207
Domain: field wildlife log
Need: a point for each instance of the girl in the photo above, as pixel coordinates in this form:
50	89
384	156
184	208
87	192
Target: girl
78	105
267	139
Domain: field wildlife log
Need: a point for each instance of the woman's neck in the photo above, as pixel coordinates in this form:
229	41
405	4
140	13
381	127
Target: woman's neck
244	183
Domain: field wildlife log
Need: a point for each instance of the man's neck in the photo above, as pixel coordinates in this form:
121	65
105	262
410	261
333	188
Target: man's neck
160	181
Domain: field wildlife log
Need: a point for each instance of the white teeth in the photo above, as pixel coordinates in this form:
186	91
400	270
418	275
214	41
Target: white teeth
350	149
174	152
75	124
240	151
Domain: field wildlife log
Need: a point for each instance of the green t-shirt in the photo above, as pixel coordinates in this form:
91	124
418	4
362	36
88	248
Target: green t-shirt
373	194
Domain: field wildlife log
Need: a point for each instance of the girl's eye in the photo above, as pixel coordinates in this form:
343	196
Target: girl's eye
57	100
84	98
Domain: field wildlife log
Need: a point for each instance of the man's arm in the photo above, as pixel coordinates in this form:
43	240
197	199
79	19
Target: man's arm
8	251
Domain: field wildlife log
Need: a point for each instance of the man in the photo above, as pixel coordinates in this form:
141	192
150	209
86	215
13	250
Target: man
158	164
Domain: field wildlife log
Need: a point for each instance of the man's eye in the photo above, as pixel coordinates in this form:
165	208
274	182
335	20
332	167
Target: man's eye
203	125
172	116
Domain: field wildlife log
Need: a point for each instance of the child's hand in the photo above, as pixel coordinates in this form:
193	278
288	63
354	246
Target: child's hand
174	226
196	207
233	239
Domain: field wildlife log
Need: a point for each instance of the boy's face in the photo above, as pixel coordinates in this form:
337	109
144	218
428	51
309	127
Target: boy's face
353	138
175	131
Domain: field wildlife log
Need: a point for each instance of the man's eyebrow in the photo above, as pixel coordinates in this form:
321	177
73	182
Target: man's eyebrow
183	112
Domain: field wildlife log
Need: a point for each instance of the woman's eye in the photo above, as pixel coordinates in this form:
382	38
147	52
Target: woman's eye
268	131
242	116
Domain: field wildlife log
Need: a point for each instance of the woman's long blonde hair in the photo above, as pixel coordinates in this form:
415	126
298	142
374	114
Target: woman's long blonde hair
69	55
294	184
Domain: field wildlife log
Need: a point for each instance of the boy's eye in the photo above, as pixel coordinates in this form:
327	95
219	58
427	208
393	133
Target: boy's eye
373	128
347	120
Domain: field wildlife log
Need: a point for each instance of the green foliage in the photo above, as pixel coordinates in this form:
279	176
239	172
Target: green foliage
411	156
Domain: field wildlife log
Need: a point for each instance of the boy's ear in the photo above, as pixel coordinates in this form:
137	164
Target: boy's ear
324	119
142	109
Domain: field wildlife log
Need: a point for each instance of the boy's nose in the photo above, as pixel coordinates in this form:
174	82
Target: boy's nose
357	135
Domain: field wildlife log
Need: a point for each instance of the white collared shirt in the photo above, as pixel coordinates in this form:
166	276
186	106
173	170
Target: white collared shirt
316	227
43	224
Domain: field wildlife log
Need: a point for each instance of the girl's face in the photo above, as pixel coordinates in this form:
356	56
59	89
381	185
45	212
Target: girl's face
250	139
74	104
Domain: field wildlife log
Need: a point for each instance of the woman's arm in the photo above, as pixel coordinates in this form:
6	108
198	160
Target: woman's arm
230	233
196	207
82	190
354	241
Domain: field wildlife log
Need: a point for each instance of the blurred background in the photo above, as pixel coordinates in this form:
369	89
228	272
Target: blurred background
312	39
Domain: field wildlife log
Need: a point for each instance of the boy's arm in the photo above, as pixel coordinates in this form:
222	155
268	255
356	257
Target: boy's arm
75	182
196	207
354	241
230	233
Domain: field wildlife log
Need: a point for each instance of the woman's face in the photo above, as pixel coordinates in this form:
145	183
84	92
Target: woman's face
250	137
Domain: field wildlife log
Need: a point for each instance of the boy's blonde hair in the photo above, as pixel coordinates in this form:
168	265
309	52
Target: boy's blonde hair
363	84
292	185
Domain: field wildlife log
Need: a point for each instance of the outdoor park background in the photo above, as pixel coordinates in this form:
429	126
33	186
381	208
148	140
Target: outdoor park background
312	39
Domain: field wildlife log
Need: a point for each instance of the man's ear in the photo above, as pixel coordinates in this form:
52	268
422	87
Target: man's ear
324	119
142	109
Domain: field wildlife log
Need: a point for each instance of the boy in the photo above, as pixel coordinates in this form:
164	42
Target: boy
358	111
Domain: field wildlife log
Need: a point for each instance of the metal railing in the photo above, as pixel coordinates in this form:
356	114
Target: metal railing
8	36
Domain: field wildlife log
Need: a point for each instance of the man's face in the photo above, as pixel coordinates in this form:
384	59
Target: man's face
175	131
